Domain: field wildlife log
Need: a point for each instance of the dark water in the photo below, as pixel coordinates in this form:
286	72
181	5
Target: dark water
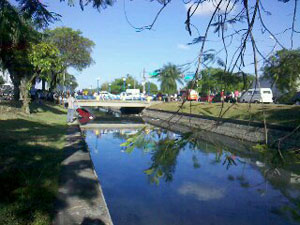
162	178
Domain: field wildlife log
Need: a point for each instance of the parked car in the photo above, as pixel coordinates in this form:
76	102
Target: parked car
229	97
126	96
258	95
113	97
104	95
6	92
206	98
190	95
86	97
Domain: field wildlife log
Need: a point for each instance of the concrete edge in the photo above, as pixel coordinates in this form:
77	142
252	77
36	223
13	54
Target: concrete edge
229	120
245	132
99	184
74	204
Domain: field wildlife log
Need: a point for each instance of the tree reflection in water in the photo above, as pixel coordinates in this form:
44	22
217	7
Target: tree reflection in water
165	146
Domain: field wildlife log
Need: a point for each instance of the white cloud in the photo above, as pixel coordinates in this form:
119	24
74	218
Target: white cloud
200	192
208	7
183	47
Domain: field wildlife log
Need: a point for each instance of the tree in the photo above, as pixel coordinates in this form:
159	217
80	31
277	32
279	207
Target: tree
169	76
38	61
208	82
45	57
70	82
34	61
1	80
153	87
117	86
21	70
75	50
215	79
16	36
104	86
283	69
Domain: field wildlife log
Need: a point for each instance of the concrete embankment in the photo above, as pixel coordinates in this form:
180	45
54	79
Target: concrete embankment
80	197
237	129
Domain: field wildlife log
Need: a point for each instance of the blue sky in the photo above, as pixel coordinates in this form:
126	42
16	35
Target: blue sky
120	50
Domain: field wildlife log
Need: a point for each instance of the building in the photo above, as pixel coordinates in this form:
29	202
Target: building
7	81
6	77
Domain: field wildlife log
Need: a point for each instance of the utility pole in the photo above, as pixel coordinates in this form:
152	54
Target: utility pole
144	81
98	85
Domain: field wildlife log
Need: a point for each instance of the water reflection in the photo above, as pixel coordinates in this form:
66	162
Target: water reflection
201	192
199	176
164	146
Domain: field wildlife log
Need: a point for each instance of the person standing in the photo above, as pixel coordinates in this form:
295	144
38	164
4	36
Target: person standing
236	95
222	96
71	108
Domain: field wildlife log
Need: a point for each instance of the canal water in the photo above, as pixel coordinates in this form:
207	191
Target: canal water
152	176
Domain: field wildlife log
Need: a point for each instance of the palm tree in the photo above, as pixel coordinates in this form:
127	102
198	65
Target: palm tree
169	76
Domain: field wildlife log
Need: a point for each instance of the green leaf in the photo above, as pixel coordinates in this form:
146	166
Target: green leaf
149	171
125	144
159	173
129	149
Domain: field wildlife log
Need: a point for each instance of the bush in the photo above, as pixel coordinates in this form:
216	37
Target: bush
286	98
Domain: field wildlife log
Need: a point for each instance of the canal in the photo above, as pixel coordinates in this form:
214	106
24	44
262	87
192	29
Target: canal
152	176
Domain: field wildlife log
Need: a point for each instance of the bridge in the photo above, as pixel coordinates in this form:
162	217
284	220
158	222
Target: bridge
118	104
119	126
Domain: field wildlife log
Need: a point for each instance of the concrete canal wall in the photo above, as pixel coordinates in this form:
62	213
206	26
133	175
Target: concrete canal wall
221	142
80	198
243	130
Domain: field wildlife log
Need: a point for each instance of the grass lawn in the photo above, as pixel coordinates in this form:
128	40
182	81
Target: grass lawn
285	115
30	156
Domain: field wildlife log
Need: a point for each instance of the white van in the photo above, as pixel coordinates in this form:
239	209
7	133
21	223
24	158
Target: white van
133	92
258	95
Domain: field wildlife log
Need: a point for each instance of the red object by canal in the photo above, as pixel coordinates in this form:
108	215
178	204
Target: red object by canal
84	116
84	113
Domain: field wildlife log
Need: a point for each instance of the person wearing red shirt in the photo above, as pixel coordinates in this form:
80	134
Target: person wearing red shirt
222	96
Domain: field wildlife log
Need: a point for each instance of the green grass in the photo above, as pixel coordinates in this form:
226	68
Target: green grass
285	115
30	156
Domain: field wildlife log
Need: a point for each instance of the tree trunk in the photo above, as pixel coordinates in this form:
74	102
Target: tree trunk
16	82
24	94
52	83
244	81
43	84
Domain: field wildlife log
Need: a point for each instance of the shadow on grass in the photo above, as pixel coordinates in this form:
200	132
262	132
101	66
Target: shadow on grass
31	154
18	131
286	117
208	110
11	103
45	107
288	120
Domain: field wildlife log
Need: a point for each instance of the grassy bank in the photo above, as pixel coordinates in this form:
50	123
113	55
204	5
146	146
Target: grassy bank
31	152
285	115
